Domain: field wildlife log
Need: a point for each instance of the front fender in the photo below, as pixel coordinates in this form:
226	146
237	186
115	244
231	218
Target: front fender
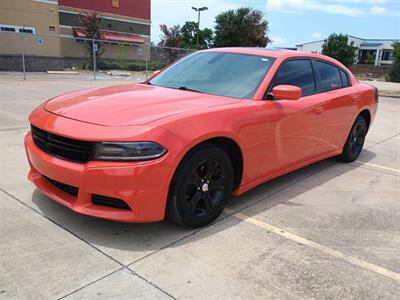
239	125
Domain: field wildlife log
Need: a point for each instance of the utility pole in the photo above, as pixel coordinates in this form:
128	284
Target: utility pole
94	50
199	10
23	51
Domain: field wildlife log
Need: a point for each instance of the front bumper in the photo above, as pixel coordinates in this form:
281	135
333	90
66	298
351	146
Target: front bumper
143	186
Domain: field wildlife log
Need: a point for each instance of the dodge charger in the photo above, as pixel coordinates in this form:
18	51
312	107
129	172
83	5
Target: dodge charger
215	123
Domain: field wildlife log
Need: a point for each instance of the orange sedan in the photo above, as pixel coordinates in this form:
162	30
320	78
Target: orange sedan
217	122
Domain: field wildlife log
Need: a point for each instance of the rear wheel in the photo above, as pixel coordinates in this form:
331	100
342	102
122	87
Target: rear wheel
201	187
355	141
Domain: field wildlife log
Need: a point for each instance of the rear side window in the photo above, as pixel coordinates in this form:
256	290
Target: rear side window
297	72
329	76
345	78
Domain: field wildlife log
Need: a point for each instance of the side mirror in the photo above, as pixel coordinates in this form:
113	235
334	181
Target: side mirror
286	92
156	72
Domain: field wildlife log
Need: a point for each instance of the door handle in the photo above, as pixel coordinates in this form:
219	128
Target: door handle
319	110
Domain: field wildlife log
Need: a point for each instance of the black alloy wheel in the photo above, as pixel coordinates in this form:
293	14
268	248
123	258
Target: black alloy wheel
201	187
205	188
355	141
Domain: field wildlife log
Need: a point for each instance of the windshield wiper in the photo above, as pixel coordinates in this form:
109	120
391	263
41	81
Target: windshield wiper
184	88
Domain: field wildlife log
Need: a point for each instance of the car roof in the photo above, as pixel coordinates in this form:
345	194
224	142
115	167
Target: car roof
276	53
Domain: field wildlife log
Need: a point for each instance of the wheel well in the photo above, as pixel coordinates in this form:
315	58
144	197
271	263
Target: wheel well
367	117
234	152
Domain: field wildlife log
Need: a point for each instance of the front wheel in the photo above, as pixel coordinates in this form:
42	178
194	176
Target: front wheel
355	141
201	187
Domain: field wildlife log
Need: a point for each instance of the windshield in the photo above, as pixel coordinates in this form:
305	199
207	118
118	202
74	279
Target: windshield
224	74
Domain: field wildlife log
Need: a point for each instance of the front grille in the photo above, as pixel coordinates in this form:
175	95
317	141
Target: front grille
110	202
62	147
69	189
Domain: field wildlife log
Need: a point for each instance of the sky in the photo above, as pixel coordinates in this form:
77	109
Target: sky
292	22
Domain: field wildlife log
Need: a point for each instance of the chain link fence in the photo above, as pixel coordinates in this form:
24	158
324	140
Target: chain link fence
23	55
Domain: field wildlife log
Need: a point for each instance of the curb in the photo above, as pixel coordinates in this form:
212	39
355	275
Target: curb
390	96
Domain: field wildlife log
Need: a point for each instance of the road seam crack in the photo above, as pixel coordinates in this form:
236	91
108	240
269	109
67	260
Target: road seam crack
122	266
231	213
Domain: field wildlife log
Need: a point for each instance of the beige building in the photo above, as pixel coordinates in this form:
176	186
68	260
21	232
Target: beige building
123	33
29	26
51	28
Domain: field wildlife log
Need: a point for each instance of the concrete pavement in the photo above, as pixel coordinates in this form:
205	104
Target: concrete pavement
391	89
329	230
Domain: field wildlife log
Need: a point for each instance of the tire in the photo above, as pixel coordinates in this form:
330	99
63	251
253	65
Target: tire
201	186
355	141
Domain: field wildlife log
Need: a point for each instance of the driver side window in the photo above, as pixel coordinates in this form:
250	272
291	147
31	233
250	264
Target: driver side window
297	72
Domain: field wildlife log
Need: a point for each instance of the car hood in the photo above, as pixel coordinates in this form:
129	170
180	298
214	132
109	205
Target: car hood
137	104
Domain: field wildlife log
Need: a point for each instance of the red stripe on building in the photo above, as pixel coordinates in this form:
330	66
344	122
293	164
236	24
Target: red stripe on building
111	36
130	8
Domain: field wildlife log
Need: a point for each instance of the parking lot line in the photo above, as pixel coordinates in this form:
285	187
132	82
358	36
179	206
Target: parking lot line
377	166
298	239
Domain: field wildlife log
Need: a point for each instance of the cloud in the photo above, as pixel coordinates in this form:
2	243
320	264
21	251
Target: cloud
359	1
278	41
299	6
378	10
382	11
316	35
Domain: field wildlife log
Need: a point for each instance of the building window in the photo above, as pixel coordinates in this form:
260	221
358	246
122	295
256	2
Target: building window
387	55
7	28
16	28
26	30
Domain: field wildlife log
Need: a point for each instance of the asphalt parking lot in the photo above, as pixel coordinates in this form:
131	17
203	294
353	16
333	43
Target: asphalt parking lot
327	231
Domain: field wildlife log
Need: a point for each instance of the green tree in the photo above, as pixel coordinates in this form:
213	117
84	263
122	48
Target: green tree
170	41
242	27
121	56
394	73
189	36
370	59
170	36
91	23
337	46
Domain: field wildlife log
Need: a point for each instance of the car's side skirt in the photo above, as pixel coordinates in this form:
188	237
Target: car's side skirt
244	188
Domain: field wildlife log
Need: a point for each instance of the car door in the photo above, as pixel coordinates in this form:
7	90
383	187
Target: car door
290	126
337	109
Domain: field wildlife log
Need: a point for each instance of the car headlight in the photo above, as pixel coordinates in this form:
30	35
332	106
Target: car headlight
128	151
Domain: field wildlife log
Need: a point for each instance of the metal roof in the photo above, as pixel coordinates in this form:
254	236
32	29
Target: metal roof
364	39
371	44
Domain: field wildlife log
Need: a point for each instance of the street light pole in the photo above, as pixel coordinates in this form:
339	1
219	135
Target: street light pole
199	10
23	52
